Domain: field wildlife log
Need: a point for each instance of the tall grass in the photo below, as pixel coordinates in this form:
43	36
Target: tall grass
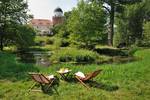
76	56
12	70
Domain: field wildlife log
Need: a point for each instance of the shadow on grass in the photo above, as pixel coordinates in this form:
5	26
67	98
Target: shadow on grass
11	70
52	90
103	86
94	84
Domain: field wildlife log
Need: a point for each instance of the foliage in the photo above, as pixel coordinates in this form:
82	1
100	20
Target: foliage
130	23
75	56
61	34
20	35
61	29
56	28
23	37
132	50
44	39
135	24
12	13
12	70
112	7
146	35
50	41
121	35
111	51
60	42
86	23
147	10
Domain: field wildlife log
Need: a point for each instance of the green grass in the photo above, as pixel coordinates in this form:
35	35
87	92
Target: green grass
128	81
41	38
77	56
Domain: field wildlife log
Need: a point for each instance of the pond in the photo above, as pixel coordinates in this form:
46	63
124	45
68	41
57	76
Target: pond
40	58
123	59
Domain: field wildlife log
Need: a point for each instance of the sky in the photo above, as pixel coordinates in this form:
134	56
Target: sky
44	9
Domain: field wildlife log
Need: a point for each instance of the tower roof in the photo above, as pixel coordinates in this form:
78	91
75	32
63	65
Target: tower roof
58	9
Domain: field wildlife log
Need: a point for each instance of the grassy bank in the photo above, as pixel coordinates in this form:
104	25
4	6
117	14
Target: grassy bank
128	81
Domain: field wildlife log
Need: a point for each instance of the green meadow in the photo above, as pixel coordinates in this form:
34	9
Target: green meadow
127	81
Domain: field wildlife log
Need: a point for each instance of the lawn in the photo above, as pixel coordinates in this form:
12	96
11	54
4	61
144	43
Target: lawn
128	81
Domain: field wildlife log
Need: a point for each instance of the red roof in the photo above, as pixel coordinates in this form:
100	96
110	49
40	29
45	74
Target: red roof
41	22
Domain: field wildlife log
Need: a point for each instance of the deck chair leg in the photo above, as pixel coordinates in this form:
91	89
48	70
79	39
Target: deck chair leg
32	87
49	85
82	83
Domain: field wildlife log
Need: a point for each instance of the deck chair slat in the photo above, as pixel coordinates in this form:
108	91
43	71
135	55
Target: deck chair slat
88	77
41	79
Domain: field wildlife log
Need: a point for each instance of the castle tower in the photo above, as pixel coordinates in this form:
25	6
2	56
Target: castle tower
58	16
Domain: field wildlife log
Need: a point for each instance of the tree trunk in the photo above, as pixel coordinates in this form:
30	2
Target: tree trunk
111	27
1	42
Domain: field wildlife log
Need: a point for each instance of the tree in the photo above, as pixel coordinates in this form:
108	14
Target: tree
147	10
86	23
146	34
20	35
130	22
113	6
61	29
135	21
12	13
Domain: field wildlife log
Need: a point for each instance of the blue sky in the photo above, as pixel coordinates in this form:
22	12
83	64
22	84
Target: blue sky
44	8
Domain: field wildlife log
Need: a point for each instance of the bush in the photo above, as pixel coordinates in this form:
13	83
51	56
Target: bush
40	40
74	55
64	43
146	36
57	42
50	41
111	52
61	42
132	50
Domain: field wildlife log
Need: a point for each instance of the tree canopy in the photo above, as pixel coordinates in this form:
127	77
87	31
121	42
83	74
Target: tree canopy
12	13
86	23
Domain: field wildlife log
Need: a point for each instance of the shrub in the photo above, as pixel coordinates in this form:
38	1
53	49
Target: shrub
132	50
50	41
146	36
59	42
74	55
64	43
111	52
42	40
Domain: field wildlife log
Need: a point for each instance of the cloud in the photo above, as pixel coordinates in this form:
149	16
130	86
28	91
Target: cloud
44	8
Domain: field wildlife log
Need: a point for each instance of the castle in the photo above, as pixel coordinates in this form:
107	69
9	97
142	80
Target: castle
43	26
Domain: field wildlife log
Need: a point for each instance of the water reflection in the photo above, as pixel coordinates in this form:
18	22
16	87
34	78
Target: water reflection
35	57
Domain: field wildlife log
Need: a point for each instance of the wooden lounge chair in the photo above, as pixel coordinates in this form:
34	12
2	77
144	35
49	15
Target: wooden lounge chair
42	80
87	77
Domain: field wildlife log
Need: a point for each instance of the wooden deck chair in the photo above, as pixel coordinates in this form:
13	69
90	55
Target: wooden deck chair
87	77
42	80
